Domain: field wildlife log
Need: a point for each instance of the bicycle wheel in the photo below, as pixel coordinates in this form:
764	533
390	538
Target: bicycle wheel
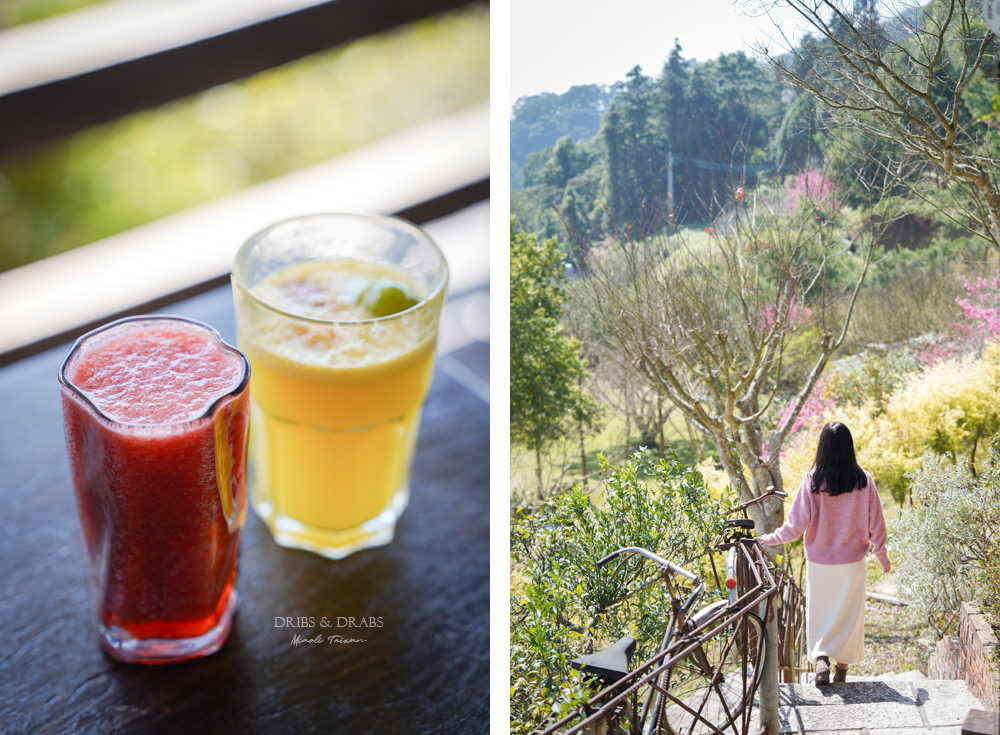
711	691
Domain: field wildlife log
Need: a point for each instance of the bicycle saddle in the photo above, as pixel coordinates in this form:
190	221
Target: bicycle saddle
609	664
739	523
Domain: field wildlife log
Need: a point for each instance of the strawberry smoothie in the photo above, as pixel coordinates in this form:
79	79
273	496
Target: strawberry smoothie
155	412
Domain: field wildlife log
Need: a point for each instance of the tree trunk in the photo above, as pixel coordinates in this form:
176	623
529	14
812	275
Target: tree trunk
772	511
538	471
767	516
972	455
583	454
992	198
732	468
659	423
628	433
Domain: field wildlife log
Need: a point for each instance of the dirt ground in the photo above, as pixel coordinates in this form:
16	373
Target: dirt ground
894	641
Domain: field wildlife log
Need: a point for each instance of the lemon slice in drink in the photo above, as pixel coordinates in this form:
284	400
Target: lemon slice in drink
385	298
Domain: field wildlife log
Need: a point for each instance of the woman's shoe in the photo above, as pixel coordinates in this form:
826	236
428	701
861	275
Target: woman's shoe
822	671
840	675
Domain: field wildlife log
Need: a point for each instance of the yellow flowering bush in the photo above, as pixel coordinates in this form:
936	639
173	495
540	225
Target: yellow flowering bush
950	408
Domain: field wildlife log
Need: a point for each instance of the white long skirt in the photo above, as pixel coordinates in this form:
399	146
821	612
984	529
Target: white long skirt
835	611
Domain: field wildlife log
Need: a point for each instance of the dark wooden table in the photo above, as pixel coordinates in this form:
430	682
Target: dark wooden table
424	670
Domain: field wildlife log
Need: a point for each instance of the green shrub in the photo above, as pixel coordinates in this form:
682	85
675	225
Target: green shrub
872	377
562	605
946	540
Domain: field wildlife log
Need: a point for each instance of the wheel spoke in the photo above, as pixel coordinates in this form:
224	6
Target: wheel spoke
703	699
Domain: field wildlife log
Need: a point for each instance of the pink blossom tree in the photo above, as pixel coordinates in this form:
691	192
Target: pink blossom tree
981	308
982	305
708	326
811	187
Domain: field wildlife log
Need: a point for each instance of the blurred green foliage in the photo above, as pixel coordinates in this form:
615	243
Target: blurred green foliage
873	377
16	12
149	164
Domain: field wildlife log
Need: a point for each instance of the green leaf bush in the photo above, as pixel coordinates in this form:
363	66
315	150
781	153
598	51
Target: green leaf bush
946	539
563	606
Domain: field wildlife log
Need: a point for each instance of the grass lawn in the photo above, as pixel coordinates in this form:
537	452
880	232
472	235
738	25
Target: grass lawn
561	465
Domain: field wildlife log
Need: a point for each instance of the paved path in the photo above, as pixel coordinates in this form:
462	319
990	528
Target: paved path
876	707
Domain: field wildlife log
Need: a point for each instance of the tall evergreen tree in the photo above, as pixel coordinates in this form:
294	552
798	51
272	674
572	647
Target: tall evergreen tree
546	402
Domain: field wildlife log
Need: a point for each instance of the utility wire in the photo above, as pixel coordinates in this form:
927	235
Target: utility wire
713	166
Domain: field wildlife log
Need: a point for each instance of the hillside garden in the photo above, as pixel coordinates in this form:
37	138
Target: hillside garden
733	260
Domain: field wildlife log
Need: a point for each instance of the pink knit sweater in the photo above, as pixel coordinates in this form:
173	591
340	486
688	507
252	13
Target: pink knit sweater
838	530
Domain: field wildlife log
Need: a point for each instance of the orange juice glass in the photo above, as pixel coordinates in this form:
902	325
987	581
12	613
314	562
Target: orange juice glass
338	315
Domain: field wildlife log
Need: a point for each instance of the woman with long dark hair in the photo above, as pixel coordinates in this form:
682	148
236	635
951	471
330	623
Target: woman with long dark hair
839	511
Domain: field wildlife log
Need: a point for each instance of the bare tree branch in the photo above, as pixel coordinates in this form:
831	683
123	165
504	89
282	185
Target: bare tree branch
908	88
706	322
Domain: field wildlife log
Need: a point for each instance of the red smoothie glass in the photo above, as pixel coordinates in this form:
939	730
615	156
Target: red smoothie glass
156	411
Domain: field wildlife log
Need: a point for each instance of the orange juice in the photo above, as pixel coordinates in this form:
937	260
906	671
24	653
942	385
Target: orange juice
336	391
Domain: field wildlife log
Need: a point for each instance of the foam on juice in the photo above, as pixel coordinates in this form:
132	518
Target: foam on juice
156	376
332	291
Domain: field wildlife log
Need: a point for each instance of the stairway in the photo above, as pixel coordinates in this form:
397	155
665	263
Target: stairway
891	705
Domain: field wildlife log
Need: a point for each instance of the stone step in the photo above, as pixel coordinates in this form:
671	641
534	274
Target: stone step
876	707
910	675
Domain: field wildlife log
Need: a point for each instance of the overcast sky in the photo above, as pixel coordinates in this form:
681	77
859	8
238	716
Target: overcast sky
556	44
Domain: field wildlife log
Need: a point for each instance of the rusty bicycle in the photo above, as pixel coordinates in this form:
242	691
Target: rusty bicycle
706	670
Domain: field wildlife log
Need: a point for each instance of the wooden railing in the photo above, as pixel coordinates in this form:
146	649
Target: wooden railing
60	76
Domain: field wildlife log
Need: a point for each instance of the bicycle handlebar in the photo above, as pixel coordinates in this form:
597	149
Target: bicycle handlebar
669	565
771	493
652	557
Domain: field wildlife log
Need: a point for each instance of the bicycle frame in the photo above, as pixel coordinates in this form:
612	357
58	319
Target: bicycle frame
667	566
615	697
791	622
751	586
678	618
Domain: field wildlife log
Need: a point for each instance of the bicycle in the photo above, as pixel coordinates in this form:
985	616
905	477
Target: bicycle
736	571
791	601
706	670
